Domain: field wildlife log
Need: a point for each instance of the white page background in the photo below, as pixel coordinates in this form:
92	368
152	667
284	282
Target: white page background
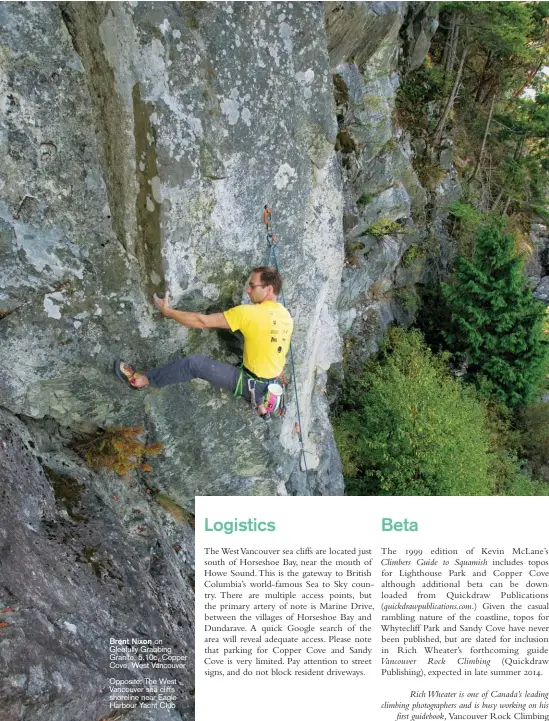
456	522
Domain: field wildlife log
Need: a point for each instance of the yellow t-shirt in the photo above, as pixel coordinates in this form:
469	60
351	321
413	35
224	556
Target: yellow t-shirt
267	329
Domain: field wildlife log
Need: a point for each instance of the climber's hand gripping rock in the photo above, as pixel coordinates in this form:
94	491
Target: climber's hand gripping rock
162	304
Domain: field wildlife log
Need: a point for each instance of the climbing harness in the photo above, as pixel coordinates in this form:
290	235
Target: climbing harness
273	396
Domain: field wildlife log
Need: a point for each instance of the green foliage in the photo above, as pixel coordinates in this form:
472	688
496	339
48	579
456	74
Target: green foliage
533	422
514	479
407	427
414	252
416	91
496	325
429	173
513	476
507	46
354	245
464	221
525	125
434	316
408	299
542	212
120	450
364	199
384	226
466	214
506	30
500	27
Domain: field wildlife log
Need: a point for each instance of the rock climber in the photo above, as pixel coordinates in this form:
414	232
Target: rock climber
266	326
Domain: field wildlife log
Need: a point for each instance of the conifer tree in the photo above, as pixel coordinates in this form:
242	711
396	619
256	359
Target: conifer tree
408	427
496	324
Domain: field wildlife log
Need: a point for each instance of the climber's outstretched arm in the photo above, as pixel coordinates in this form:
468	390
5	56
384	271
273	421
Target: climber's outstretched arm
190	319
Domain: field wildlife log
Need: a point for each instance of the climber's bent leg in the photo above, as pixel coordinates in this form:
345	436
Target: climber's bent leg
221	375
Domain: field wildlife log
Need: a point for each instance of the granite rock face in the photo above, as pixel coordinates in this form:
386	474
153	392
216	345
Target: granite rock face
421	23
75	572
140	143
384	215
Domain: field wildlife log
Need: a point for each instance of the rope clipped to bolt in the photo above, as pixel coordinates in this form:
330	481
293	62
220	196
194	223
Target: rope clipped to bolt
272	260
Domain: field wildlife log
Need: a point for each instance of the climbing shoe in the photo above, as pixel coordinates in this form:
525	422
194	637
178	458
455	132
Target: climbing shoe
126	373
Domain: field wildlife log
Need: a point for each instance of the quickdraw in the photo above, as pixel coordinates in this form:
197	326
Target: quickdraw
274	395
271	237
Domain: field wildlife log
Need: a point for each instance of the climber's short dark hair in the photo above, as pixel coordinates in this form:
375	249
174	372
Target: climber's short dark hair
269	276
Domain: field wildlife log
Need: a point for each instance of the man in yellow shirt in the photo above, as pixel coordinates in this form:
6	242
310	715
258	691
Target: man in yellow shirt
267	329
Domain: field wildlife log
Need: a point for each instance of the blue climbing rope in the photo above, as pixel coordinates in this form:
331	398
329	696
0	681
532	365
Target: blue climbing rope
272	259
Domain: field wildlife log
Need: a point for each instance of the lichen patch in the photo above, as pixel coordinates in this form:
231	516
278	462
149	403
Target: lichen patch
285	32
285	175
53	303
231	108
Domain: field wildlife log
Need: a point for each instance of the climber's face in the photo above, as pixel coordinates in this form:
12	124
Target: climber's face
255	290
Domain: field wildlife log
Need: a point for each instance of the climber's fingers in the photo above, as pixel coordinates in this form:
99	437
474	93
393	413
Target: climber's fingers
162	303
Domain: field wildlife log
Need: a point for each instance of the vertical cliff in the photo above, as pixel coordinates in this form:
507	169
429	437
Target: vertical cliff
142	141
80	565
389	216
